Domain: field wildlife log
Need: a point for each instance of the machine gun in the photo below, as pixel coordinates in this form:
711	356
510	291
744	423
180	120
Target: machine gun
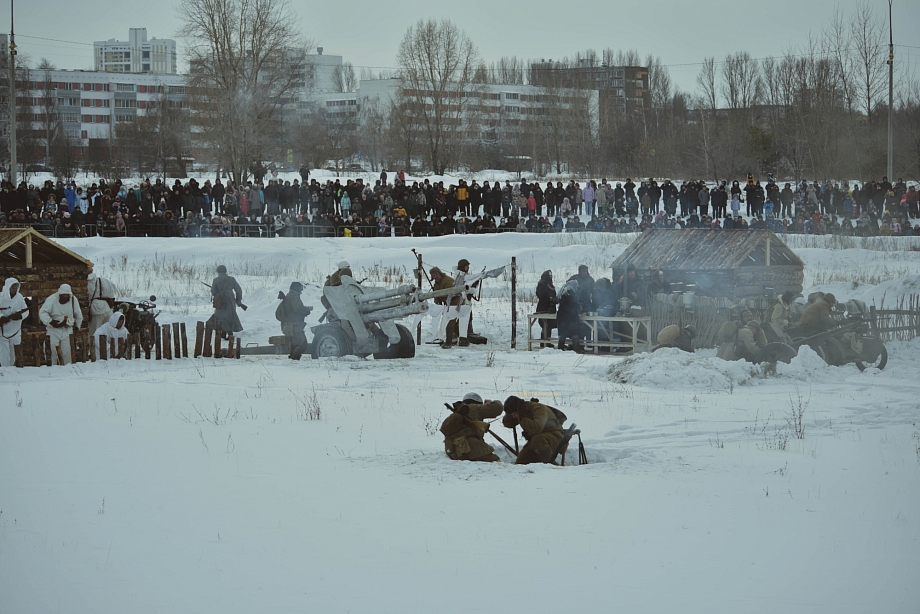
360	320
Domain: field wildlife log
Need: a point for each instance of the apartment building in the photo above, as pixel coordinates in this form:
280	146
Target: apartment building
136	55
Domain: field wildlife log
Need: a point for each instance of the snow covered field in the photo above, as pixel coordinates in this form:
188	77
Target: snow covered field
263	485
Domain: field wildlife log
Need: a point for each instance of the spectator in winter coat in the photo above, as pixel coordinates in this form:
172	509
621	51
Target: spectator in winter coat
546	302
568	320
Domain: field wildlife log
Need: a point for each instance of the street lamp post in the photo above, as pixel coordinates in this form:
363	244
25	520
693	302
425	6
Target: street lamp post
13	169
890	98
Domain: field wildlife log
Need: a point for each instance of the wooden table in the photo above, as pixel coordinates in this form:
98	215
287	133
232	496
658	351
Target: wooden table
631	340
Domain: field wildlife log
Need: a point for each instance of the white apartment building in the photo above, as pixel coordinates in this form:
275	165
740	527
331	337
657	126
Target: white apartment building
502	108
136	55
92	103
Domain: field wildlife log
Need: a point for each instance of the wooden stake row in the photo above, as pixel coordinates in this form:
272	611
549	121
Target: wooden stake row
208	343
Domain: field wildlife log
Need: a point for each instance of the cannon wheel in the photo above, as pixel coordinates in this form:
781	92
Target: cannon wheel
879	363
405	348
329	342
778	352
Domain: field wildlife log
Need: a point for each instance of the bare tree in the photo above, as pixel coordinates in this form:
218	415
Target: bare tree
437	65
247	58
344	78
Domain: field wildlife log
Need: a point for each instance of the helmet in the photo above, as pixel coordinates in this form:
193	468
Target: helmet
344	265
472	396
512	403
221	270
691	330
570	286
463	262
296	286
829	298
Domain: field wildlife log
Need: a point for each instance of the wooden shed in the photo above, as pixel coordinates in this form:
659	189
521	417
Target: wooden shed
736	264
41	266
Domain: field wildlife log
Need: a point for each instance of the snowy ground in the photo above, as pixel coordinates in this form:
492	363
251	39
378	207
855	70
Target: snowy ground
262	485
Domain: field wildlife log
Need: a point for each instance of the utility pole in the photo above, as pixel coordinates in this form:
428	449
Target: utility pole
13	169
890	98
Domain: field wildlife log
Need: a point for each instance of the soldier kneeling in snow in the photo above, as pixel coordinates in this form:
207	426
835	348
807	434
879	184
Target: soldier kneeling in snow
464	429
674	336
542	427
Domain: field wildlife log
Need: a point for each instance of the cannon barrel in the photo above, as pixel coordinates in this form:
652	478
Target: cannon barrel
373	296
424	296
394	313
393	301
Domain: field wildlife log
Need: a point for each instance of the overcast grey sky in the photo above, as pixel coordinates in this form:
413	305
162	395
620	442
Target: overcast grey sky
367	33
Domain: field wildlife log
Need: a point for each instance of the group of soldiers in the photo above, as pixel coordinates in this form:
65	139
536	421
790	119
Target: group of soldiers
745	338
465	428
61	314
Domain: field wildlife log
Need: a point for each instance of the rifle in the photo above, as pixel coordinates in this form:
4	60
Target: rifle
242	306
10	317
470	422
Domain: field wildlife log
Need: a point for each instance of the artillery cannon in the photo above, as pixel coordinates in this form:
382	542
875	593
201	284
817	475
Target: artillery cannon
360	320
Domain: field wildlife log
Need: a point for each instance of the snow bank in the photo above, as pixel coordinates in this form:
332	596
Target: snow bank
672	369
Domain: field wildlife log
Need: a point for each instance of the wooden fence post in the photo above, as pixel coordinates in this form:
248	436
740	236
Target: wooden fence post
113	349
128	343
37	351
122	347
239	342
158	341
48	359
73	347
230	351
208	331
184	340
92	350
167	343
199	338
177	340
103	348
513	302
20	357
217	340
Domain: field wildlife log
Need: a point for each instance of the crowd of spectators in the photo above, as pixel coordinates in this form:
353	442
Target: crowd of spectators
395	206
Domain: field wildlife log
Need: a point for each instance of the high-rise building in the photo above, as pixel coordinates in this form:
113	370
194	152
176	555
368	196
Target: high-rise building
136	55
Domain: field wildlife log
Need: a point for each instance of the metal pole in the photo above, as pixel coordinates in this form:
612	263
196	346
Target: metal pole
890	98
13	169
513	302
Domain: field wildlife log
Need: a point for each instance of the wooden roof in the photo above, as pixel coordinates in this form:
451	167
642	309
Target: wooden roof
698	249
45	252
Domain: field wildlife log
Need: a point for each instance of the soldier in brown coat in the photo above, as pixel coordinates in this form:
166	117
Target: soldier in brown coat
817	317
542	427
463	430
336	278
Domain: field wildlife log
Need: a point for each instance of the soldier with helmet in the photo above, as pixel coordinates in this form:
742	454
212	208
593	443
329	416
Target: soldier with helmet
226	295
817	317
541	425
463	430
460	310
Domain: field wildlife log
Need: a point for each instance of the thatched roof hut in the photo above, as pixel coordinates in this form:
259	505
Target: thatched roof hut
736	264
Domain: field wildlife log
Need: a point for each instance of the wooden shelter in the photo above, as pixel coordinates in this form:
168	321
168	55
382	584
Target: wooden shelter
736	264
41	266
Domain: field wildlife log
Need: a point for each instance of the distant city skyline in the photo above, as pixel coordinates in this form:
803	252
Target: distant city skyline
367	34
